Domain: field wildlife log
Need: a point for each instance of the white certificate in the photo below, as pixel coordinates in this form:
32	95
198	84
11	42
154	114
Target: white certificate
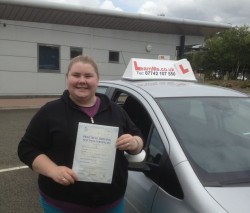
95	152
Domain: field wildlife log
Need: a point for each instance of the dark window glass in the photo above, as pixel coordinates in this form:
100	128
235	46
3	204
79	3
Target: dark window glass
48	58
75	51
114	56
162	171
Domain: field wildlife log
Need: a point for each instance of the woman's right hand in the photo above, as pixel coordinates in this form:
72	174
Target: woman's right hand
60	174
63	175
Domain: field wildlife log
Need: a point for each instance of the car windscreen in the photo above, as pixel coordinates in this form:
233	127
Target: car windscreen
214	132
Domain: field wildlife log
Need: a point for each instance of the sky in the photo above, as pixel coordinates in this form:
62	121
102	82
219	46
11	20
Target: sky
235	12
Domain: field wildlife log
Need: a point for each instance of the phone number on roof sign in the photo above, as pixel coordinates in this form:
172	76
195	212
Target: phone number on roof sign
162	73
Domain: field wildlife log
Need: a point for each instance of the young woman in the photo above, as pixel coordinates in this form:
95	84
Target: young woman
48	144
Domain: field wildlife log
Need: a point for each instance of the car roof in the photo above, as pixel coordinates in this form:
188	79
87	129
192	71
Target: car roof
168	88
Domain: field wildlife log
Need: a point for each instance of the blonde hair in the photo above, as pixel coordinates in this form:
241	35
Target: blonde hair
85	60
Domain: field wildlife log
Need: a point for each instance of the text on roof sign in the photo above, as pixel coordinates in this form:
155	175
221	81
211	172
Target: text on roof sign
143	69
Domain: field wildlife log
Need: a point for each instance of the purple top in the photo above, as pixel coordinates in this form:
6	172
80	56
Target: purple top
91	111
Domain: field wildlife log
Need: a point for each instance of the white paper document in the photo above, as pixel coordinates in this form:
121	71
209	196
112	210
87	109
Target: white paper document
95	152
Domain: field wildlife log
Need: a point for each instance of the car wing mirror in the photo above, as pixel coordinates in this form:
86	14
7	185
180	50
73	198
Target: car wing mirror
137	162
136	158
139	167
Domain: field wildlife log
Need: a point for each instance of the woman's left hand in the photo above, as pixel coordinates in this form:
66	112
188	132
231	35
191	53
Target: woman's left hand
127	142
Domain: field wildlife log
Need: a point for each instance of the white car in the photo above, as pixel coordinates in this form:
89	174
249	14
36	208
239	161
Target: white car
240	77
197	140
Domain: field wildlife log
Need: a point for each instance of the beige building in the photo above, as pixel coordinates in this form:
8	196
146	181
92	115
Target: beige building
37	40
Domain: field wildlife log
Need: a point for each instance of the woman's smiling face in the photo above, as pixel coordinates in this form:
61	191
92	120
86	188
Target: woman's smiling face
82	82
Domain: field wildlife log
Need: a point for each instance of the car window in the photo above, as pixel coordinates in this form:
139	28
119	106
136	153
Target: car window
197	111
156	148
215	135
122	97
135	110
162	171
101	89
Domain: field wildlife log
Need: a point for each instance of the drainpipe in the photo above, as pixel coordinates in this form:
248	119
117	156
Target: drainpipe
182	47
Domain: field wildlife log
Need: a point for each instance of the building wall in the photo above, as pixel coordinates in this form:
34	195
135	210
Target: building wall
19	53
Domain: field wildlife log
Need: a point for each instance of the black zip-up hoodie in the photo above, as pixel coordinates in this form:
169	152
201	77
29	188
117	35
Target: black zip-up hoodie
52	131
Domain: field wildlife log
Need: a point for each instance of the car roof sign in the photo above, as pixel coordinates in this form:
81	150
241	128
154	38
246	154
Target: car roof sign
153	69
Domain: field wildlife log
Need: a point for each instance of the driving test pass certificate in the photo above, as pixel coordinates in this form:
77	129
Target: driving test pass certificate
95	152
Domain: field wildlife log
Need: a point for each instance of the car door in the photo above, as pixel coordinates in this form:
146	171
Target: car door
141	190
161	179
150	191
143	186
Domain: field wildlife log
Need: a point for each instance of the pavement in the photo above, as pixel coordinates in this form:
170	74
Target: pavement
24	103
18	184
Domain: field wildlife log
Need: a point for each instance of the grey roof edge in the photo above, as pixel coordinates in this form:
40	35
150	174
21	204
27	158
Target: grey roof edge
104	12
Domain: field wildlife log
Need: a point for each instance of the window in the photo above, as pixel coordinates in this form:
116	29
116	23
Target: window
48	58
113	56
162	171
101	90
135	110
156	148
214	133
75	51
121	99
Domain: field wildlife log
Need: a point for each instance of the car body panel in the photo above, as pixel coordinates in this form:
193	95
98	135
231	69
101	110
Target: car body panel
142	196
233	199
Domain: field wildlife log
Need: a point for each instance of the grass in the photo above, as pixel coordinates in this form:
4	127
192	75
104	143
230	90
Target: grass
243	86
